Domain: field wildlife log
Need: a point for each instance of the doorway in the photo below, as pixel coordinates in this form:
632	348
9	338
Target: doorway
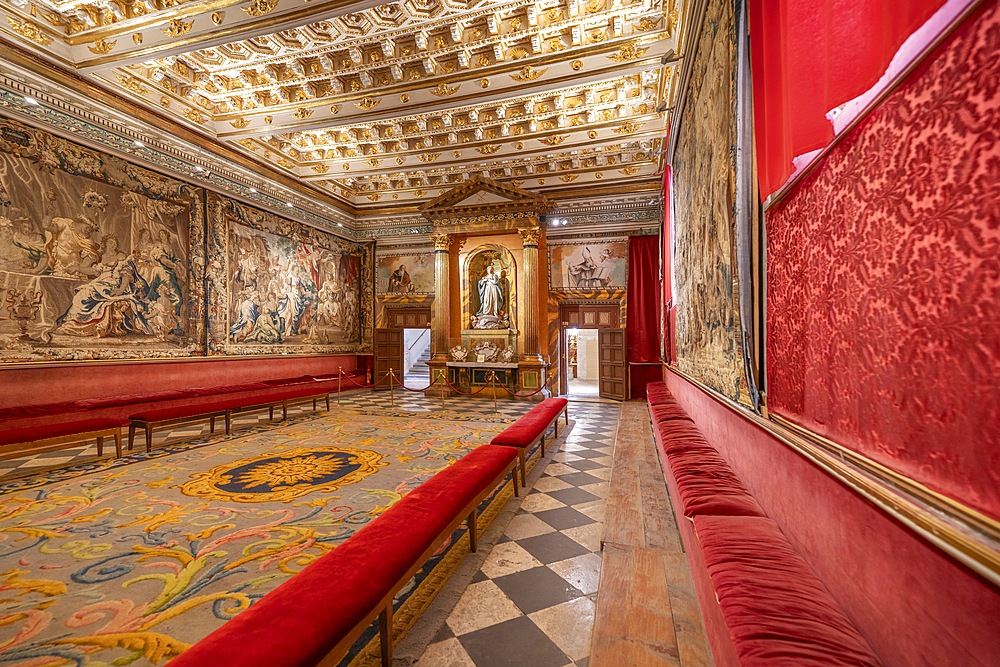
416	354
582	362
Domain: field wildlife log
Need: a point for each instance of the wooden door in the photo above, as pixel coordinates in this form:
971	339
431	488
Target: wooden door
388	354
612	379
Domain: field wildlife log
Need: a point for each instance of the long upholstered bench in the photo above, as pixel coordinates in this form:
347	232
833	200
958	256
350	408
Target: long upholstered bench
27	440
531	428
763	605
317	615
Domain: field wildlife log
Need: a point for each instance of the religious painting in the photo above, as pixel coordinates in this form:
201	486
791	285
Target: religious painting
286	287
490	286
405	274
709	339
94	255
597	264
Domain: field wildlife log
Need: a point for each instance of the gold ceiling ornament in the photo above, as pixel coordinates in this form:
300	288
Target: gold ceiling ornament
541	181
484	83
444	90
374	196
335	109
404	98
395	195
240	123
599	175
428	157
628	127
488	149
457	153
321	168
528	73
133	84
592	134
29	31
260	7
218	17
195	116
137	38
268	119
568	178
630	51
418	193
177	27
597	35
302	113
347	167
646	24
594	6
285	162
517	182
368	103
629	171
554	140
519	145
164	101
576	65
400	160
373	162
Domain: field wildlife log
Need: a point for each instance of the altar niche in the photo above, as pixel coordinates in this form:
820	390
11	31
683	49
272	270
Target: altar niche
489	289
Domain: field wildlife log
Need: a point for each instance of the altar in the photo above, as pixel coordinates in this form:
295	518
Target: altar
487	378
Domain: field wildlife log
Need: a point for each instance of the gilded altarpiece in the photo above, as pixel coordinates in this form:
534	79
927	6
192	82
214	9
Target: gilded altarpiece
99	258
709	344
280	287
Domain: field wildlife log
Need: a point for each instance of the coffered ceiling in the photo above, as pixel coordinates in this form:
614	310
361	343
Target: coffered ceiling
387	105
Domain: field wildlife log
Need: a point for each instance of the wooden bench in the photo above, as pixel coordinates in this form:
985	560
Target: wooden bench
28	440
317	615
531	428
186	414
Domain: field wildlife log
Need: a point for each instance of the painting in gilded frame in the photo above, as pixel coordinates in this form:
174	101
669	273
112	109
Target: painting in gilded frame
404	273
596	264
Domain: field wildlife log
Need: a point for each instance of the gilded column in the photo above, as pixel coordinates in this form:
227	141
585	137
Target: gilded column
529	239
441	320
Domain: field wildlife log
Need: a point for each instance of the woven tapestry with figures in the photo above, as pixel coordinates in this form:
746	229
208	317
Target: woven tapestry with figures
129	562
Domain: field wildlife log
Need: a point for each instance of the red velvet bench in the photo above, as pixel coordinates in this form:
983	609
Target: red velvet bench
187	414
27	440
777	611
317	615
532	427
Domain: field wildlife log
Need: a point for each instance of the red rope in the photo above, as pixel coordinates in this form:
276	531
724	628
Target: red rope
416	391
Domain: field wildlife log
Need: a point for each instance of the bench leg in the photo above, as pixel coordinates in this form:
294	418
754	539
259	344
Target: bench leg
131	435
229	422
100	445
270	413
543	444
513	480
284	410
472	531
385	634
118	443
555	425
328	402
566	414
315	408
211	424
520	459
149	437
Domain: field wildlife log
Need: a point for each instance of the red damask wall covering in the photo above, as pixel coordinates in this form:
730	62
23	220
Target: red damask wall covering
884	278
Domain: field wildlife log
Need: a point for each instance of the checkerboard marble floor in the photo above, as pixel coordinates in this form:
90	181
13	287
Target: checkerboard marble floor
532	601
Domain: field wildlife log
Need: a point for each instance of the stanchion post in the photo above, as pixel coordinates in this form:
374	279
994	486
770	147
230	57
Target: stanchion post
440	375
493	382
392	389
340	376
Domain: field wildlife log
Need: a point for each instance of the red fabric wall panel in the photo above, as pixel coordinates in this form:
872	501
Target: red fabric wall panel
644	287
884	278
915	605
810	57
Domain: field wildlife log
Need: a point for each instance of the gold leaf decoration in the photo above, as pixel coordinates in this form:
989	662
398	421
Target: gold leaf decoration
373	162
647	24
419	193
592	134
284	162
368	103
164	102
528	73
102	47
137	38
268	119
429	157
597	35
400	160
628	52
347	167
375	196
444	90
517	53
217	17
628	127
555	139
594	6
577	65
321	168
195	116
517	182
599	175
568	178
404	98
240	123
484	83
519	145
260	7
629	171
334	109
177	27
302	113
29	31
489	149
133	84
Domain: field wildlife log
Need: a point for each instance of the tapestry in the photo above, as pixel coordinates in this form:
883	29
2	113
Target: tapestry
130	561
597	264
709	346
279	286
99	258
884	279
405	273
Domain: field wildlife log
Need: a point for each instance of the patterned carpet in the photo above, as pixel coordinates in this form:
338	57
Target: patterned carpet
129	561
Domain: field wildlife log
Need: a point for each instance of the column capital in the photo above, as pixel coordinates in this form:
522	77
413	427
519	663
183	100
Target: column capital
529	237
442	242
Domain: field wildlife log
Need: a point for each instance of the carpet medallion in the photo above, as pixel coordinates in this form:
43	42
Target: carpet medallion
128	562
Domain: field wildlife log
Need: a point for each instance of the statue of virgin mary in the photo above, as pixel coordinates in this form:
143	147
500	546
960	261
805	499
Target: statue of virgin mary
491	300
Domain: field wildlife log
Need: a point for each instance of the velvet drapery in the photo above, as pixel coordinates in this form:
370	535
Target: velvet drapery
810	57
642	323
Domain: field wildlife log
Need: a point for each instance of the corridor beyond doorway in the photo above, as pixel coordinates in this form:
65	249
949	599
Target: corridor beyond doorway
581	362
416	353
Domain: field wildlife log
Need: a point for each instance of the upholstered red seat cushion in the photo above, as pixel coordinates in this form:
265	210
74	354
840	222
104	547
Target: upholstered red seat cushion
668	412
552	406
523	432
302	620
777	611
14	436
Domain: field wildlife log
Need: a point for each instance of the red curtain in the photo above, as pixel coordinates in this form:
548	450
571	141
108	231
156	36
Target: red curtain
642	327
811	56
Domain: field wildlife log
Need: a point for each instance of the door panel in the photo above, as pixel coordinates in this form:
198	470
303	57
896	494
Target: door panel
612	379
388	346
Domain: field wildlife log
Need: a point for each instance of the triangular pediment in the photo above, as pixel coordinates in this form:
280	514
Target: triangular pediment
481	193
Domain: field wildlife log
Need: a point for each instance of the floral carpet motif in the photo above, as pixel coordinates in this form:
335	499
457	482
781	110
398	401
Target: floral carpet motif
130	562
